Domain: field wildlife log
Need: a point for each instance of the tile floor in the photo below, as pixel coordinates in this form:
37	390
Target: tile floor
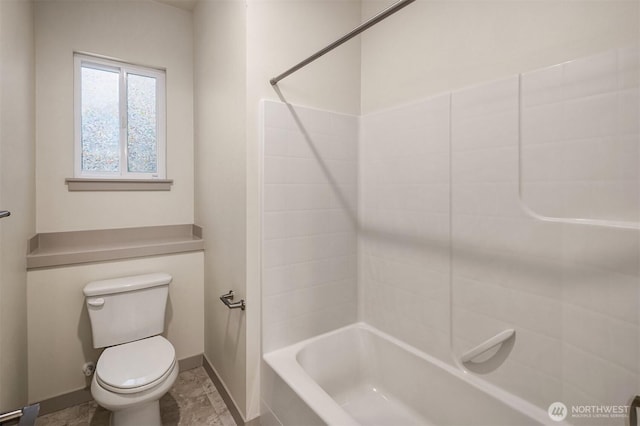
193	401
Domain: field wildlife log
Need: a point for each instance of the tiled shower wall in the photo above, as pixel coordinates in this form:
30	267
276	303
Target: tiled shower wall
580	133
405	219
579	129
454	245
506	271
309	265
570	290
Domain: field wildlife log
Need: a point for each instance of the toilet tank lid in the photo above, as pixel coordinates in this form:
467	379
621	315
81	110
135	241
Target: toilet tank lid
124	284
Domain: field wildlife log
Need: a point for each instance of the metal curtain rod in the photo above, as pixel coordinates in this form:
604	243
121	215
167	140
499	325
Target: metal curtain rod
360	28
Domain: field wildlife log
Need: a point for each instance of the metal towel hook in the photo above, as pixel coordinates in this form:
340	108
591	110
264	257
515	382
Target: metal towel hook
4	213
227	298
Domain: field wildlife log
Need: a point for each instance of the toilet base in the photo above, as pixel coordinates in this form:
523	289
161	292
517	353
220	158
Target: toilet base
146	414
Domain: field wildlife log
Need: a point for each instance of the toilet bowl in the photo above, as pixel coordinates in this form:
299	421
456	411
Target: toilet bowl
138	365
131	378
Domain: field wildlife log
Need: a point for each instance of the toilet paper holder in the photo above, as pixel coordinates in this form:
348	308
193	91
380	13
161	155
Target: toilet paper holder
227	300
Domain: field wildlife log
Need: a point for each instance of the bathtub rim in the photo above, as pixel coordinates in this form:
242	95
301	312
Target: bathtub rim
285	364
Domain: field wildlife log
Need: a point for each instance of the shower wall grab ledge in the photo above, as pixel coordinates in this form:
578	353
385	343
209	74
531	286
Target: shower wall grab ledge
488	344
577	221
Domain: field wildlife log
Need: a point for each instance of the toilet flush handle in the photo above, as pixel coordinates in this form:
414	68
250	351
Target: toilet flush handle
96	303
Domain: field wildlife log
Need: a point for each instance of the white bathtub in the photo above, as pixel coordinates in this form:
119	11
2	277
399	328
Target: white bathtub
358	375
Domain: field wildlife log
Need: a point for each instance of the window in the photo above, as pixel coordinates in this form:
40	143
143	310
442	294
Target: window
120	120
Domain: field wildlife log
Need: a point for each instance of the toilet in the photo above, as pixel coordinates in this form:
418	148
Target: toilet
138	365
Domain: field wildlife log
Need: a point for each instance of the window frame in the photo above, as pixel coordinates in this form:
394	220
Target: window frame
124	69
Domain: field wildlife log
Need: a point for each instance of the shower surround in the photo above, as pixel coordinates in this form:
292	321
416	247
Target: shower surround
510	204
309	262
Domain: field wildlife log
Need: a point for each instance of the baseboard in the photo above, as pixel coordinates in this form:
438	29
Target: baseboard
253	422
65	400
190	363
81	396
222	390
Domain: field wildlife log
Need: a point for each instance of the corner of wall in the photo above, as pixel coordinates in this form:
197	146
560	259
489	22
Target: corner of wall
17	188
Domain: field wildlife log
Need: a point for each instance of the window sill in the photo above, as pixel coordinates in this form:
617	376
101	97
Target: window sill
83	184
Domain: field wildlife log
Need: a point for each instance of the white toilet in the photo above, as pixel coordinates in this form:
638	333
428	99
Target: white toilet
138	365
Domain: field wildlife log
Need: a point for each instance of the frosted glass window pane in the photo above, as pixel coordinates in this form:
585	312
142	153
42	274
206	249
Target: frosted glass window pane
100	126
142	147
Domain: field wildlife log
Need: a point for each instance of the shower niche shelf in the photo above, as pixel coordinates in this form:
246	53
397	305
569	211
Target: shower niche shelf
579	141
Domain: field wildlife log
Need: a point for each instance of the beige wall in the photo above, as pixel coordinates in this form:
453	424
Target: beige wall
58	323
220	183
239	46
17	93
280	34
434	46
141	32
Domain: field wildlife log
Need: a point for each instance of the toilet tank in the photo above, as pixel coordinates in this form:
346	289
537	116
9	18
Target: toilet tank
125	309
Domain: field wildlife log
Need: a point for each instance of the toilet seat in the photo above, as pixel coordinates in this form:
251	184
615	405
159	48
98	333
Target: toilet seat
136	366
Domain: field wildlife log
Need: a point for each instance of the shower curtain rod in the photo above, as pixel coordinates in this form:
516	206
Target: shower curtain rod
351	34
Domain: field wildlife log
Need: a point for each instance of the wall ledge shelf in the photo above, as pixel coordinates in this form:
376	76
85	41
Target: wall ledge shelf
84	184
56	249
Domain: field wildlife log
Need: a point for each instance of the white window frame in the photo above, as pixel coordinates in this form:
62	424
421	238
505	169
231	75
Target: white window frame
84	60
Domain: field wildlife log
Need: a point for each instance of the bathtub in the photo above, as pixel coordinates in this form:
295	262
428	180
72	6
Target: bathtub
358	375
